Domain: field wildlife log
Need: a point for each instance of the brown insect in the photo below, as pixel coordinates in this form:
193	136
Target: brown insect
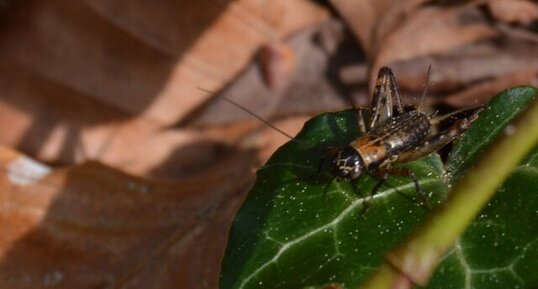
393	135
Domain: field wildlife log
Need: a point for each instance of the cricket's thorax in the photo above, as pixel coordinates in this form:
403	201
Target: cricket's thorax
392	137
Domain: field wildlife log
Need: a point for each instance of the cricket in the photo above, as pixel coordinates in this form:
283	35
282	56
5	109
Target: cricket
392	134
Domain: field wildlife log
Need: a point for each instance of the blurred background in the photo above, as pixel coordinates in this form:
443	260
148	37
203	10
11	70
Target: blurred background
121	164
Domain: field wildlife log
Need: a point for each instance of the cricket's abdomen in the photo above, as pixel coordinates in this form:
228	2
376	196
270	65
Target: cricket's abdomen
403	132
392	137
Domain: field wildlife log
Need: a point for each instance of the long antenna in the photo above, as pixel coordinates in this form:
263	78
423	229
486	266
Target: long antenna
425	91
266	122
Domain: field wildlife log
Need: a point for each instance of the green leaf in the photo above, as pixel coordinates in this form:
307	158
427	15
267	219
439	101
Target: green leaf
493	119
298	228
500	248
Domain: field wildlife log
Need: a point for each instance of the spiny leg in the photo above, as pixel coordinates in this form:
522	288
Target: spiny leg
386	100
367	201
384	174
411	174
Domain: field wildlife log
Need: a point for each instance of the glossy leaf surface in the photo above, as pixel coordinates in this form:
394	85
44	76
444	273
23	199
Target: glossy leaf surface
300	228
500	248
493	120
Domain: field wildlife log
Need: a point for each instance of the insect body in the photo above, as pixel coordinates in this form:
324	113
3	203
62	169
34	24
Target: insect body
382	144
392	135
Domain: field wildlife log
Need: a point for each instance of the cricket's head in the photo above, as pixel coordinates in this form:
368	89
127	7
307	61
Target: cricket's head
347	163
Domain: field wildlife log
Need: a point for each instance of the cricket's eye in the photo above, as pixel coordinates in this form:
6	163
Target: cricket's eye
347	164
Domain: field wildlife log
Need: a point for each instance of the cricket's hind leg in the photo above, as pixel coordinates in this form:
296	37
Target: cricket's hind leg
386	101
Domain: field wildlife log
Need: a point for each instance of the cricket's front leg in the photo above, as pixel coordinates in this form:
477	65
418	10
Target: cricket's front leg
405	172
382	174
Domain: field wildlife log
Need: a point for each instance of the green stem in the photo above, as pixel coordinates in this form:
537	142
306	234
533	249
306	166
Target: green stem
417	257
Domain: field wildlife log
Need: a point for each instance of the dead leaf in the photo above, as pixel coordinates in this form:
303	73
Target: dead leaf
361	17
91	226
482	92
146	59
314	86
371	20
79	76
514	11
277	63
459	72
517	33
267	140
46	120
433	30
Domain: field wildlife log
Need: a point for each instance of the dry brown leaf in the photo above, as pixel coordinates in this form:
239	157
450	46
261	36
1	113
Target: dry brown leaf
467	65
110	51
79	76
396	31
409	38
256	137
433	30
91	226
482	92
312	87
467	71
45	119
511	11
361	18
268	140
277	63
371	20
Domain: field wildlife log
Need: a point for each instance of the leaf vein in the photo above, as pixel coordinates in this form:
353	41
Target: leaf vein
328	225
